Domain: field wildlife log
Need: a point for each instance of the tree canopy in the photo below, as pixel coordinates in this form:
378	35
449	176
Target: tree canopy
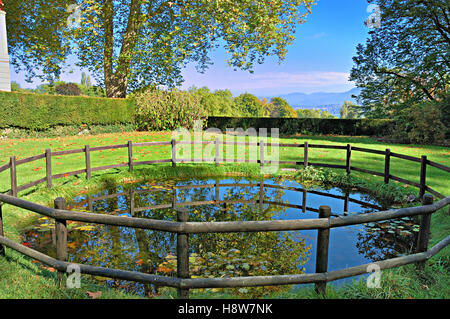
129	44
281	108
249	105
350	111
314	113
407	59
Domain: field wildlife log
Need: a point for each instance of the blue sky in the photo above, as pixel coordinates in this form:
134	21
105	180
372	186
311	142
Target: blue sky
319	60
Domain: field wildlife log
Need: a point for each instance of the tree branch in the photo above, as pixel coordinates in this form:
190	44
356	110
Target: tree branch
425	90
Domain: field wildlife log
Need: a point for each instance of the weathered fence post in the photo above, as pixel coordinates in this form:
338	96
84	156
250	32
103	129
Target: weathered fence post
261	153
2	248
305	155
387	166
87	155
182	249
423	176
132	203
174	153
217	189
13	172
304	200
90	204
349	161
48	167
261	195
61	236
130	155
424	232
346	200
217	151
323	238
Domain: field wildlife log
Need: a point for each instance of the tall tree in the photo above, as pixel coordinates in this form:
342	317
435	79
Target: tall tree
37	37
406	59
249	105
350	111
128	44
281	108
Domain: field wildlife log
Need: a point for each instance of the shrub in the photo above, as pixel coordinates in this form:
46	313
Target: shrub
70	89
158	110
40	112
420	124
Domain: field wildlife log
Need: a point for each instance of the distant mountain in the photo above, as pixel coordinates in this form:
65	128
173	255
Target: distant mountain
320	100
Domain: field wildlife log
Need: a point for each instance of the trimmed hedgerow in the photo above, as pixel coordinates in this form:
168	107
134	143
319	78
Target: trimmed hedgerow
287	126
40	112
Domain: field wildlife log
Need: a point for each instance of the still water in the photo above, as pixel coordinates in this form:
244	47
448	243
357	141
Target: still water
220	255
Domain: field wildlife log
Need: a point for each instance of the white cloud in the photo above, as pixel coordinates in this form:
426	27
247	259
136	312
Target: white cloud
302	81
270	82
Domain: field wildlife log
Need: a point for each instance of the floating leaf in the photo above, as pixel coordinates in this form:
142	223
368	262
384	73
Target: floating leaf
86	228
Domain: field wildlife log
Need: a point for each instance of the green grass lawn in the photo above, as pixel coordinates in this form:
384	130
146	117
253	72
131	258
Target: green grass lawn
21	278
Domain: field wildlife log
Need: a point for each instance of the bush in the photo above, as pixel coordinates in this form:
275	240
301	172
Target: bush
40	112
158	110
420	124
70	89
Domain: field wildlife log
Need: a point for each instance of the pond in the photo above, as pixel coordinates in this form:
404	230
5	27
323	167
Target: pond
220	255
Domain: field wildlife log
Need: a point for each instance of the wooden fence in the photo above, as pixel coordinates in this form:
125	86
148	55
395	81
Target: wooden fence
182	227
87	150
90	200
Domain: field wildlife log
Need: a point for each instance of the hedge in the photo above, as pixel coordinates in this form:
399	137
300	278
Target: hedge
352	127
40	112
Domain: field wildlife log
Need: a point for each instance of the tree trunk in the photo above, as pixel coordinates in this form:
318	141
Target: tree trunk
108	14
116	82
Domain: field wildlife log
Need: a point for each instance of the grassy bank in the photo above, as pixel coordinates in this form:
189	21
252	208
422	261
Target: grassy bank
21	278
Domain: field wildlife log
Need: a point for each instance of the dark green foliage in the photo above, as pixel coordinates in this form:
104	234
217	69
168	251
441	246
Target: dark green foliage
70	89
354	127
421	124
67	130
38	112
444	107
405	60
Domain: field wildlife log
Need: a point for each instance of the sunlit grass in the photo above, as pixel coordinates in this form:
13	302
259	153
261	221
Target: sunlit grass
20	278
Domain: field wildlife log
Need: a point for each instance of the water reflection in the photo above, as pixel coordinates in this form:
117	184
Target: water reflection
221	255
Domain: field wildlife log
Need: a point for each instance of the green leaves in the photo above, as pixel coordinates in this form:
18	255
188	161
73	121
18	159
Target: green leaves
135	43
167	110
406	60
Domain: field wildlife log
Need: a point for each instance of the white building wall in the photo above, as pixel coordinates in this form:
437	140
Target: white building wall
5	79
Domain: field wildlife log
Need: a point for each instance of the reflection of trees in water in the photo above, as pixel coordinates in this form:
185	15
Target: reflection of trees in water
220	254
216	255
381	245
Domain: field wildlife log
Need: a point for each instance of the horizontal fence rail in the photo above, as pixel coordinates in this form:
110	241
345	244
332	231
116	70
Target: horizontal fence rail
90	200
222	227
87	150
182	227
